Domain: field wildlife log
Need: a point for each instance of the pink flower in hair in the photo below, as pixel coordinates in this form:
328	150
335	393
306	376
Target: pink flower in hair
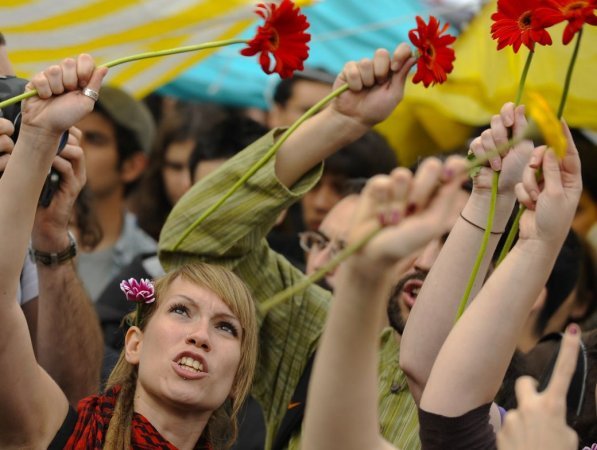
138	291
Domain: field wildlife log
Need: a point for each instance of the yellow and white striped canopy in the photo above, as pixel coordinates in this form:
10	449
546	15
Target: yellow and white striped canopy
42	32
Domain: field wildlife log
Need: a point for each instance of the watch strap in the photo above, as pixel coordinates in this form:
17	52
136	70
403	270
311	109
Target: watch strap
54	259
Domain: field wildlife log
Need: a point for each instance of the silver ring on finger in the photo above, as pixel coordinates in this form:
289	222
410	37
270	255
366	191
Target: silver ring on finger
93	95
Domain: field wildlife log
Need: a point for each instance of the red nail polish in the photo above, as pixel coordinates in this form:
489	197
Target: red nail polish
573	329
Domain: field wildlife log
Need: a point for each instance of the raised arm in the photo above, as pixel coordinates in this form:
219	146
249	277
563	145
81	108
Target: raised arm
69	339
376	86
438	301
33	406
471	364
345	370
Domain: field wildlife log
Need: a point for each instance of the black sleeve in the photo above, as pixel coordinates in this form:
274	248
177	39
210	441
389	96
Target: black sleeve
66	430
469	431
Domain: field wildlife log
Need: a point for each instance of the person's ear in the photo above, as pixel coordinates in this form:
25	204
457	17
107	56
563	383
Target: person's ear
133	343
132	167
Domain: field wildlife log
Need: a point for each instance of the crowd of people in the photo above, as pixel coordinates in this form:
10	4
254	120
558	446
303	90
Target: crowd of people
369	357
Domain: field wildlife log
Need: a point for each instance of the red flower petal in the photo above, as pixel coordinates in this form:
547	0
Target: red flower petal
435	57
516	23
576	12
283	36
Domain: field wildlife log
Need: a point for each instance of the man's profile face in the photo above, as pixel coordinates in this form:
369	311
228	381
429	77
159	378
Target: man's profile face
319	201
304	95
333	230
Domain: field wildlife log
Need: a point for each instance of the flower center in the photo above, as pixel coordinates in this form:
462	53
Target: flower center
274	39
575	6
524	21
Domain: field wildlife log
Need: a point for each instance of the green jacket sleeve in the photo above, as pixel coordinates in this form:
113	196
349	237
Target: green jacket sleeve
234	236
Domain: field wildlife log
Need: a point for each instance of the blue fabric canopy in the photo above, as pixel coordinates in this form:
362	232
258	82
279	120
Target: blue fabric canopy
341	30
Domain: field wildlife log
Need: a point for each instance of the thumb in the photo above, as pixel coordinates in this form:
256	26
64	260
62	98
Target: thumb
95	82
398	79
571	162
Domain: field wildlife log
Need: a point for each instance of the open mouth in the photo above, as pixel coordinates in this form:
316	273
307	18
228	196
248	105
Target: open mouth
410	292
190	364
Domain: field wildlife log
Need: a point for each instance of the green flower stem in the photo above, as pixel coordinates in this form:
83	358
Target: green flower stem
498	151
138	314
523	77
569	75
259	164
511	235
137	57
482	249
284	295
514	228
515	224
521	84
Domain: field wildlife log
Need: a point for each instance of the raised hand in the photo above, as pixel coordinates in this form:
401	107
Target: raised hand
512	162
414	210
539	422
376	85
551	205
54	113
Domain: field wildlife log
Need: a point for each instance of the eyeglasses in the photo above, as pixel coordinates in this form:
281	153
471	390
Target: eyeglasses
317	241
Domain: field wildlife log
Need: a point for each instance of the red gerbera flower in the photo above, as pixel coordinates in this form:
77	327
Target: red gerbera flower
515	23
576	12
283	35
435	57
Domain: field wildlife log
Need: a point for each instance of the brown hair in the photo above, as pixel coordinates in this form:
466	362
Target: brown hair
221	428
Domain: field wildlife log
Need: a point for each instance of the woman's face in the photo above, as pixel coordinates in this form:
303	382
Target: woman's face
189	352
176	173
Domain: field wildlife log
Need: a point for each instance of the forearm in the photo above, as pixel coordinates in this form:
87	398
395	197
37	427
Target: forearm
311	143
472	363
20	186
345	370
442	291
69	339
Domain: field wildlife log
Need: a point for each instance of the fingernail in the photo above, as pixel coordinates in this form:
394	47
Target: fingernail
533	162
411	208
534	195
395	217
382	219
448	173
573	329
496	164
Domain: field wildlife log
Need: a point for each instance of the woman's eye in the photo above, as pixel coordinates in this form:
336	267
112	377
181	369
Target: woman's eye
228	328
179	309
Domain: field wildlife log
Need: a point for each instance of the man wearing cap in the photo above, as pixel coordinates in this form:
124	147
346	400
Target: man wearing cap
117	136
